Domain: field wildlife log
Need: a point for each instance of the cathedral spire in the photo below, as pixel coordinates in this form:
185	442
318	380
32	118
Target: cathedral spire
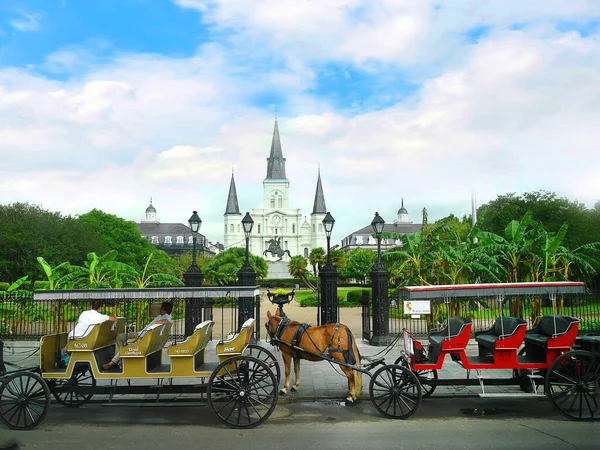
319	205
232	200
276	161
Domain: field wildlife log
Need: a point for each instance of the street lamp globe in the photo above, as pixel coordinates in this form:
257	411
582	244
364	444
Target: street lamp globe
195	222
377	223
328	223
247	224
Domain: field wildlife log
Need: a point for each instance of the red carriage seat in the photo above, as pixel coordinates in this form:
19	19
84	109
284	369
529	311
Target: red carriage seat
507	333
550	326
455	327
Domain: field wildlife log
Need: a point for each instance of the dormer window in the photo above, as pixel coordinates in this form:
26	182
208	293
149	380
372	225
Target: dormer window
155	240
191	240
168	240
179	240
372	240
359	240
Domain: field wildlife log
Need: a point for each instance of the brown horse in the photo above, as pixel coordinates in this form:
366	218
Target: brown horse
301	341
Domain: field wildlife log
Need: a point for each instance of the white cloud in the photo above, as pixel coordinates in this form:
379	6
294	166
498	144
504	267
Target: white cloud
26	21
517	112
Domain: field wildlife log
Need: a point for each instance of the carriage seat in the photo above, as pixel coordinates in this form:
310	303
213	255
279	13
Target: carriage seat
453	328
101	335
545	330
505	327
237	343
152	341
195	343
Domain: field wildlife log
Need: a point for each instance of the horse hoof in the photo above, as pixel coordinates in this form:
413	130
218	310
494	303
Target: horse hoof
294	389
283	392
349	402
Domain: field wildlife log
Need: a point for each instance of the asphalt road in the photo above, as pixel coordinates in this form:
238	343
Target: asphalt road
440	423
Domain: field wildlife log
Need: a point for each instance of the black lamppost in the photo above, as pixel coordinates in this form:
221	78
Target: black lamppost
246	275
329	276
193	278
379	281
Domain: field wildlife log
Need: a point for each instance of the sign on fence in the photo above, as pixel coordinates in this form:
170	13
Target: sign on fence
417	307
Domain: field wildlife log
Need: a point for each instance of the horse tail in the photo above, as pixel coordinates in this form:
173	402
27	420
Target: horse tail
357	374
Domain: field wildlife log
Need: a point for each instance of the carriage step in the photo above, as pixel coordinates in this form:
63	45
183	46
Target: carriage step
511	394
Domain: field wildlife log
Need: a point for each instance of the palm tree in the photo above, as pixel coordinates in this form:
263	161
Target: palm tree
317	259
297	267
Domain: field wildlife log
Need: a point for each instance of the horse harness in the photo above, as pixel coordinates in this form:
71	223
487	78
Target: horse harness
349	355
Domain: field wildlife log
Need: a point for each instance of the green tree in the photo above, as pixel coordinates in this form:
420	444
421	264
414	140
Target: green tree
547	208
120	235
181	263
28	231
359	264
223	268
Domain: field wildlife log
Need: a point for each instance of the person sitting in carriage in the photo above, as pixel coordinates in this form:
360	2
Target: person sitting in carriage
163	317
88	319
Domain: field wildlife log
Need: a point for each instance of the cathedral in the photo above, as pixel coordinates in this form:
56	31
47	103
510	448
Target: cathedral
277	226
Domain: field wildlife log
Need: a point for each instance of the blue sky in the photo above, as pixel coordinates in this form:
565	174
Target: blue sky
425	100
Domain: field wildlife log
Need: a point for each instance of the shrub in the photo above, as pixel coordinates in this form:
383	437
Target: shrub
285	283
4	286
355	297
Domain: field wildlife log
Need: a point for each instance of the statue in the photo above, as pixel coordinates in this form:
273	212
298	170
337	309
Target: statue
275	249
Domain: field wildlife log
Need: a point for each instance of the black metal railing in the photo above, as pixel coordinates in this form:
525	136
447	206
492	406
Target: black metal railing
26	315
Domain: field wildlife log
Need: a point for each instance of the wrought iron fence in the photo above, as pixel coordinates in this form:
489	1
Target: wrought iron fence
483	312
26	315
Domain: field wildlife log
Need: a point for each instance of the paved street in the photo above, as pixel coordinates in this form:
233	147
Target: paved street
441	423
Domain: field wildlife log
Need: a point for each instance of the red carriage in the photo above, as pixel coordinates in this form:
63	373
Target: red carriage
546	354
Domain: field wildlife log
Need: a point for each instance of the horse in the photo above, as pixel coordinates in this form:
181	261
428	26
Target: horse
276	250
302	341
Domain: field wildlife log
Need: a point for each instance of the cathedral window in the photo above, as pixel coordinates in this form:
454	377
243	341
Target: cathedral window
276	163
155	240
259	228
320	228
313	227
285	244
231	228
272	202
306	253
168	240
179	240
293	228
225	228
238	228
279	202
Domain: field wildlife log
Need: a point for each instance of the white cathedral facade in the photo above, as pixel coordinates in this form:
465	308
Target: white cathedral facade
276	221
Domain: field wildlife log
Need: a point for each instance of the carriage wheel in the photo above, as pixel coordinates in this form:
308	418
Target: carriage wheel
258	352
82	376
243	391
395	391
24	400
423	375
572	385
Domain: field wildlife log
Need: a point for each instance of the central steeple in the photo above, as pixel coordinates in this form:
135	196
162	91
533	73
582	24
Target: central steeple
276	161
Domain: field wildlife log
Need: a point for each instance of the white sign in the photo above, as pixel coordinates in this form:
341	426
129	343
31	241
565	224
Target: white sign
417	307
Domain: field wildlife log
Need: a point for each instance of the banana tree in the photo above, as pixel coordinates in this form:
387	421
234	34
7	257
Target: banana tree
143	279
512	250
